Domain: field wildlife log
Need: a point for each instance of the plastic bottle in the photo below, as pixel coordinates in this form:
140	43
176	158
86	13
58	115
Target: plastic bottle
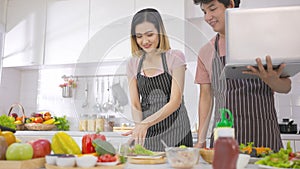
225	146
224	122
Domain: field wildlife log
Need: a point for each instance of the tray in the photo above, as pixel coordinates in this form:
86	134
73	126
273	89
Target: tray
121	166
36	163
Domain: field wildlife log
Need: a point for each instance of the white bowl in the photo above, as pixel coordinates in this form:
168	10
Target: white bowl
86	161
242	161
51	158
66	161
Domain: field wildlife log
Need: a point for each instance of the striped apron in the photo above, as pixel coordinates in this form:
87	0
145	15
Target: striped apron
251	102
155	93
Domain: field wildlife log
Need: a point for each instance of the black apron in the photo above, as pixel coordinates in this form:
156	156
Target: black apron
251	102
155	93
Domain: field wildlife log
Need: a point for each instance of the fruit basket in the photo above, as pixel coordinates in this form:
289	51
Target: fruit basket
22	119
39	126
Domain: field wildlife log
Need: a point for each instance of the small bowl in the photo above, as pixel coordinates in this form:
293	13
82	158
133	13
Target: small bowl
207	155
182	157
242	161
86	161
66	160
51	158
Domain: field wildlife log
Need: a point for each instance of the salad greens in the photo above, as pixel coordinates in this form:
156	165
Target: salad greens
281	159
140	150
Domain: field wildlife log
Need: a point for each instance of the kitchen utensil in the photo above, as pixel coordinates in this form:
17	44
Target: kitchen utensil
86	93
164	143
97	107
119	94
108	105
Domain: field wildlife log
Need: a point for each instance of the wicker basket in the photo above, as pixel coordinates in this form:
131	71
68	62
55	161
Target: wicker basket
207	155
39	126
18	126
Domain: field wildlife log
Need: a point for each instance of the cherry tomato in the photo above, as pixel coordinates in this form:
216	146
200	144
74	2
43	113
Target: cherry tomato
107	158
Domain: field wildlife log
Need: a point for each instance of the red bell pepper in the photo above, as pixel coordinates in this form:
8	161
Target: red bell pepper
87	145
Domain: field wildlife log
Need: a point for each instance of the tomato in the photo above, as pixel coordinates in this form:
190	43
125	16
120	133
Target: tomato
107	158
19	151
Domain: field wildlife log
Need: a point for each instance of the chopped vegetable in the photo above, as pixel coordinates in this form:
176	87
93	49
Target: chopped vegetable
140	150
282	159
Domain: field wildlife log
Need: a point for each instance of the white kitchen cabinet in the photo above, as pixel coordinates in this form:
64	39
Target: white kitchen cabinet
109	31
172	12
192	10
66	30
3	11
25	32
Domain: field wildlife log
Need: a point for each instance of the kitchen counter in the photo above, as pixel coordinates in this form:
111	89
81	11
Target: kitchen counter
116	138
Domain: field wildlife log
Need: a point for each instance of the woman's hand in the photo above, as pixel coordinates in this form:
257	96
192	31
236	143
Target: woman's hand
138	134
200	145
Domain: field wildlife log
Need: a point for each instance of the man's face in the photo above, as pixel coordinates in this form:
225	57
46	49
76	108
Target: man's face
214	14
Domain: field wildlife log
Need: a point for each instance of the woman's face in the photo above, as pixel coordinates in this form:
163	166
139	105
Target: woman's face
214	13
147	36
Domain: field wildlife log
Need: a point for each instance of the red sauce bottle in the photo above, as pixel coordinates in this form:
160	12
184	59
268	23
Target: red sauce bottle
226	150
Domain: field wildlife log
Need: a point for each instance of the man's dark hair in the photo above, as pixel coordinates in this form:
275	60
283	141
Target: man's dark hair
225	2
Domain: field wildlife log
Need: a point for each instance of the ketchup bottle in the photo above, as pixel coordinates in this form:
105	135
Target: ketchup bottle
226	147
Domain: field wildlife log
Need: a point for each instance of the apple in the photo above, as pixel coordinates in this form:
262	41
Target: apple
19	151
41	147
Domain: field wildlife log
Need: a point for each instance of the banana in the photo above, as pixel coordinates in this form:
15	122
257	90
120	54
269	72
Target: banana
50	121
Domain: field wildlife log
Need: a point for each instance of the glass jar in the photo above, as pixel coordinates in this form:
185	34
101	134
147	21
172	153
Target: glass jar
92	123
83	122
100	121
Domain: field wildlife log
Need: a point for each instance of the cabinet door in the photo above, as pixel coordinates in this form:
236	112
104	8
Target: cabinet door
25	32
66	30
172	12
109	31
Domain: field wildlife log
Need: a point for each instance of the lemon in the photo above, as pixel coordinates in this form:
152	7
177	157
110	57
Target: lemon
182	146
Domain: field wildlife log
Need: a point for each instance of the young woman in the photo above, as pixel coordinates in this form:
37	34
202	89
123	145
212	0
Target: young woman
156	81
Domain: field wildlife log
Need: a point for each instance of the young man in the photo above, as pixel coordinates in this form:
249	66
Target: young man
251	101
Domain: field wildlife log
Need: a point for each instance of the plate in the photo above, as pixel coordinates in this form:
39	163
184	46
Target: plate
254	159
108	163
270	167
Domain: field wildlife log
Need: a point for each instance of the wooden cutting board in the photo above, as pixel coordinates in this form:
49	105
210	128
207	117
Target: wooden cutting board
150	160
